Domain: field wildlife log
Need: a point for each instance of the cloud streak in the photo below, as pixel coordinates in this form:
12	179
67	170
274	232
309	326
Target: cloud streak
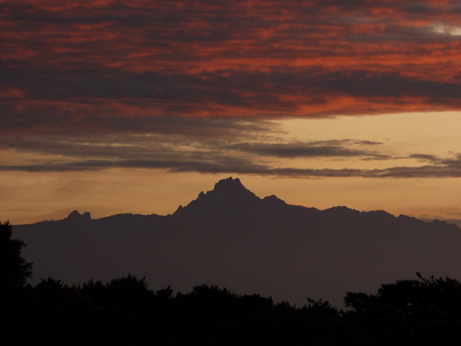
449	169
191	153
307	150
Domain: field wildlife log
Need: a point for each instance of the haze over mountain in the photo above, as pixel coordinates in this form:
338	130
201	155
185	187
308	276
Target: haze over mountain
230	237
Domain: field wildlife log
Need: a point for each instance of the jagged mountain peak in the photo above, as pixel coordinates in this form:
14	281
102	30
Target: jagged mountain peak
229	184
228	188
227	194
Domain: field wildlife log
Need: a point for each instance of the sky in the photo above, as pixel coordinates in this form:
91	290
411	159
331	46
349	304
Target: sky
114	106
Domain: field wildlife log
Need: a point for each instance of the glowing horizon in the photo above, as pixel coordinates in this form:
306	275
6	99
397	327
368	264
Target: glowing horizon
119	106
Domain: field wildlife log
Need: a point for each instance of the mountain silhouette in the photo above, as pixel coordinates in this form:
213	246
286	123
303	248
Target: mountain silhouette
229	196
230	237
232	203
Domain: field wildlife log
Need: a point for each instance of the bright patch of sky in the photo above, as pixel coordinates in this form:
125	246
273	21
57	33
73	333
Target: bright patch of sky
444	29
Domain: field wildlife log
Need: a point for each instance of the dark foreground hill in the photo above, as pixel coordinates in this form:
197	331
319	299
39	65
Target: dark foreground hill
232	238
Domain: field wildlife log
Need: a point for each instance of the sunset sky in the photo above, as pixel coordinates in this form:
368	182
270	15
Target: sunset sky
113	106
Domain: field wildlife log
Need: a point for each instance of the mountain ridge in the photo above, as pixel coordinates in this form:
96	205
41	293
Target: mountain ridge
230	237
230	192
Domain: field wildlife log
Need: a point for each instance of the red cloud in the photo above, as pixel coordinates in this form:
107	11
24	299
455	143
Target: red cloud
227	58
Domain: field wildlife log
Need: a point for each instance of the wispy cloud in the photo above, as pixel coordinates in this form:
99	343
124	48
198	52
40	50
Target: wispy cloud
308	150
186	144
217	164
242	154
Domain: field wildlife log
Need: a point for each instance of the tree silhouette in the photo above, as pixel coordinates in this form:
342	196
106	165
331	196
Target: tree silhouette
14	270
425	311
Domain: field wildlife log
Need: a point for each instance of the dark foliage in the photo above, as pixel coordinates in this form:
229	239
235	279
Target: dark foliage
14	270
125	311
408	312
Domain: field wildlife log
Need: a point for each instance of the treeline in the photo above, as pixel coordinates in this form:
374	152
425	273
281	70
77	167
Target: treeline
125	311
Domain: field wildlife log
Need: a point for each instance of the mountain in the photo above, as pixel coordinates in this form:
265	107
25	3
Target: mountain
230	237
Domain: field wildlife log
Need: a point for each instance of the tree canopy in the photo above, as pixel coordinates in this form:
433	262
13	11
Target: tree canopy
14	270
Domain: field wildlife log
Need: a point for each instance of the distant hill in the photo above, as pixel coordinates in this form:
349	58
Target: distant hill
230	237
